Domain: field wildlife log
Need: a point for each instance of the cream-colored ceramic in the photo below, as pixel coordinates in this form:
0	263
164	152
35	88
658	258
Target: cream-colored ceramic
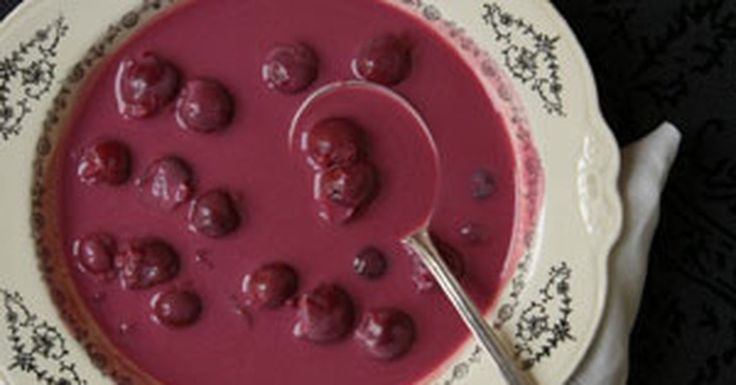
534	70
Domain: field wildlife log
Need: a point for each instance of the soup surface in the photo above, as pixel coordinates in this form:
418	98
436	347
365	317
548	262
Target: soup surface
214	245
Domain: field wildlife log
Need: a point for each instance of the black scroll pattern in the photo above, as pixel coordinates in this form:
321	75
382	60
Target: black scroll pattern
39	349
27	74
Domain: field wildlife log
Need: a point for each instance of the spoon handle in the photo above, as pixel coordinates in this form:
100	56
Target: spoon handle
422	244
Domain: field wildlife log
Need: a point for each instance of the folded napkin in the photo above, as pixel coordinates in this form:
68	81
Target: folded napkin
645	167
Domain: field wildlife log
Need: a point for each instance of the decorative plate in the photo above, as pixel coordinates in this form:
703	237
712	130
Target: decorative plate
536	73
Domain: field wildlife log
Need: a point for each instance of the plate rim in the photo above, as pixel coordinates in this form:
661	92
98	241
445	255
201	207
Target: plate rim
594	118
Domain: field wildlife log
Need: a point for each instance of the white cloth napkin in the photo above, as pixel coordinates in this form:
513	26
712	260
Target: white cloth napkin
645	167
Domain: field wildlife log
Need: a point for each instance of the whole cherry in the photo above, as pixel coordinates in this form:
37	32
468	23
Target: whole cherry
105	162
177	308
333	142
290	68
483	184
386	333
325	314
270	286
342	191
214	214
370	263
95	254
385	60
166	183
146	262
204	106
144	85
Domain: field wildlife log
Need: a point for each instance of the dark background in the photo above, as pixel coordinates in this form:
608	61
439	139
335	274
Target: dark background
674	60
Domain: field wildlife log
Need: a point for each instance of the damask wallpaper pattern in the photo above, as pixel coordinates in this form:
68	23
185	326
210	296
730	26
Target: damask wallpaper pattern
676	60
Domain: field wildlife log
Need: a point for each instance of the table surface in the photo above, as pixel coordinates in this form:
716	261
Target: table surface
673	60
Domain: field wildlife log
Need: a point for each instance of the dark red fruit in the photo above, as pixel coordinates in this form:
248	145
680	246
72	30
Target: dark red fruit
214	214
147	262
333	142
270	286
386	333
166	183
105	162
325	314
423	278
342	191
370	263
290	68
204	106
385	60
177	308
144	85
95	253
483	184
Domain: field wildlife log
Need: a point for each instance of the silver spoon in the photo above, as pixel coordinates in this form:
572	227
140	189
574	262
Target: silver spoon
420	241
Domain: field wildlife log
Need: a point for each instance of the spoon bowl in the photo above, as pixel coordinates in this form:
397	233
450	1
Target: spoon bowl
418	237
